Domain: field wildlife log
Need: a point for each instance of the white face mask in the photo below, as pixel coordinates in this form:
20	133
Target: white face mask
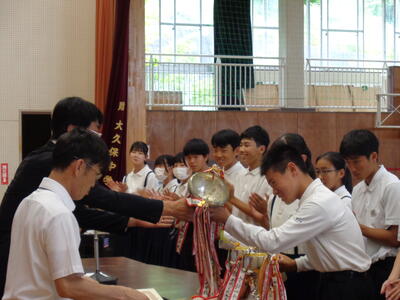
161	175
181	173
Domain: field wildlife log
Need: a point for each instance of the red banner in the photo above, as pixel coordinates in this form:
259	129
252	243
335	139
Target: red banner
115	118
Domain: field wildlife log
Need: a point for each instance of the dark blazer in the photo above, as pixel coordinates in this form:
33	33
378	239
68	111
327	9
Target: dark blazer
118	206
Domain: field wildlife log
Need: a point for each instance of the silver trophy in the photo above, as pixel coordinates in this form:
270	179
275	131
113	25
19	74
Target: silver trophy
209	187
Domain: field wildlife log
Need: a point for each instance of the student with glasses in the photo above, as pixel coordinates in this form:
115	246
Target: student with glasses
331	168
116	208
44	261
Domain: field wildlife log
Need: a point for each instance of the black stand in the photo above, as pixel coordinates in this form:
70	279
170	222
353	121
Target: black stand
98	275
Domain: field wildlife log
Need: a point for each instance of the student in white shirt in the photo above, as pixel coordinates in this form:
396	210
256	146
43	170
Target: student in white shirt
375	202
141	177
299	285
332	237
193	159
331	168
44	261
225	145
163	166
253	144
182	172
196	153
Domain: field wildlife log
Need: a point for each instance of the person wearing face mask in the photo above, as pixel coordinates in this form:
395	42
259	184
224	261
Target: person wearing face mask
163	167
182	173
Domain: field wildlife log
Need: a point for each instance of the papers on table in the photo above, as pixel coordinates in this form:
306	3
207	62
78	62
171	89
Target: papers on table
151	294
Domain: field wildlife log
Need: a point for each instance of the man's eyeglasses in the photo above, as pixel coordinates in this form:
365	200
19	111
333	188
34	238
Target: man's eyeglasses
95	132
89	165
324	171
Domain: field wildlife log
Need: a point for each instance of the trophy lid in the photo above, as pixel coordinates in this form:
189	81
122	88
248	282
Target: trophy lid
209	187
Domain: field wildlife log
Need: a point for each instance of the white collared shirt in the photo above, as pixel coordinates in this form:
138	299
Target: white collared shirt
136	181
344	194
233	174
329	231
250	182
44	244
182	190
377	205
279	213
171	186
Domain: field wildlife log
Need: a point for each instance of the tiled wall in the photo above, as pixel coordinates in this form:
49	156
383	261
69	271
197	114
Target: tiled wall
47	52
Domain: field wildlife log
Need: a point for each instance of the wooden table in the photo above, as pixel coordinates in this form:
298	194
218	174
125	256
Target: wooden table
170	283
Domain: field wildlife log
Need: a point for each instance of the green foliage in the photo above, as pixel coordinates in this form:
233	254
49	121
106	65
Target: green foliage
317	2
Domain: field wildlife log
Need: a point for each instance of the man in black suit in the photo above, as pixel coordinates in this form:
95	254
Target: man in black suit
116	207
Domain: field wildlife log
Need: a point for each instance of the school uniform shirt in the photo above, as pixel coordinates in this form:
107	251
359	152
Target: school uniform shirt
233	174
344	194
44	244
377	205
182	190
279	212
331	235
116	208
170	186
136	181
250	182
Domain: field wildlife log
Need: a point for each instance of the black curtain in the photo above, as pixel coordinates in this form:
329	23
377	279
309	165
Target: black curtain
232	36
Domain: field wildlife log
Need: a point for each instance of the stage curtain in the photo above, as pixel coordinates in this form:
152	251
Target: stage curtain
105	25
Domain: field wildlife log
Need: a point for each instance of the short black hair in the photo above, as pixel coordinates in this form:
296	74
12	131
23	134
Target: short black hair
196	147
179	158
226	137
140	146
359	142
296	141
278	157
80	143
256	133
73	111
337	160
166	160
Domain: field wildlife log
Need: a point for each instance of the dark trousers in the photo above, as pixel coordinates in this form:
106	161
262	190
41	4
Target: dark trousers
301	285
4	253
379	272
345	285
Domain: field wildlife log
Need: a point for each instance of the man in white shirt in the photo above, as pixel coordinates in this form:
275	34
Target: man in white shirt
44	261
253	144
225	145
332	237
375	202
